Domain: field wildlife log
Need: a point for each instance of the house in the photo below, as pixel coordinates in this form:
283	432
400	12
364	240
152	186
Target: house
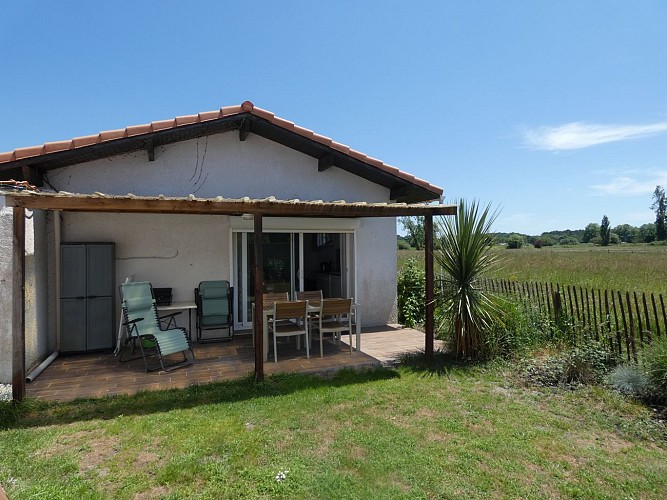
177	198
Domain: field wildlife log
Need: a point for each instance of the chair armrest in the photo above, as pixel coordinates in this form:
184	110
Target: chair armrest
132	321
170	315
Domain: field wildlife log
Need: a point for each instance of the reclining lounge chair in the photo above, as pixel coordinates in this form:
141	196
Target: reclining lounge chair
143	329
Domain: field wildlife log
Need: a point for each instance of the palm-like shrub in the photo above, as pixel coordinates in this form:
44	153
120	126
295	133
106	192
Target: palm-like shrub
462	251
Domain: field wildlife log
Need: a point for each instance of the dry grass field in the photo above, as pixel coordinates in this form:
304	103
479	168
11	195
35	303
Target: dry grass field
623	267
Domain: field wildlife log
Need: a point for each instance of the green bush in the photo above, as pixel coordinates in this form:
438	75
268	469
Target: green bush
654	364
521	327
411	294
403	245
515	241
586	363
568	240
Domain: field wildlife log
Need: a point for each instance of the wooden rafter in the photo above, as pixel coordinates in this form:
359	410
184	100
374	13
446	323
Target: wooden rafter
325	162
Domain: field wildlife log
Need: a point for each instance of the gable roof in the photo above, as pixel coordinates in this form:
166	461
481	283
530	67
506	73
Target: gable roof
30	163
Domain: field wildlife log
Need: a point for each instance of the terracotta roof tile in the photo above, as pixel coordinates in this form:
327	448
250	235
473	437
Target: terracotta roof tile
139	130
52	147
267	115
109	135
283	123
186	120
245	107
163	124
86	140
322	139
29	151
209	115
340	147
234	110
7	157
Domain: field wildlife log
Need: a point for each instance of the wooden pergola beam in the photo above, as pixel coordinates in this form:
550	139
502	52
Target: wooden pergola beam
18	305
222	206
428	261
258	321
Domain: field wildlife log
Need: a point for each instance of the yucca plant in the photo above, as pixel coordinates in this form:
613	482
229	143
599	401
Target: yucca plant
462	251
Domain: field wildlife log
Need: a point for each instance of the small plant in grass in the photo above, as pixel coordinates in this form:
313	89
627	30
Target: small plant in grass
586	363
411	294
629	380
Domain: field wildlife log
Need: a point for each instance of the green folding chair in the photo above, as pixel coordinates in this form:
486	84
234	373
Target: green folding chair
144	333
214	301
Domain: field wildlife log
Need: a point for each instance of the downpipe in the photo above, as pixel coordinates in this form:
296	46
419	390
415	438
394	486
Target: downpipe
41	367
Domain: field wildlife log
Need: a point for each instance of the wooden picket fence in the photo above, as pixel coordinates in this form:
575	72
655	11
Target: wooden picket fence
626	321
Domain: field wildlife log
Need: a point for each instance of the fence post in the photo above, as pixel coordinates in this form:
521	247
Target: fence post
625	324
655	315
557	304
639	319
632	327
618	328
648	319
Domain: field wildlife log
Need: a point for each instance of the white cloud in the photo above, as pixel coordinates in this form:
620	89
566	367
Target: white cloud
625	185
578	135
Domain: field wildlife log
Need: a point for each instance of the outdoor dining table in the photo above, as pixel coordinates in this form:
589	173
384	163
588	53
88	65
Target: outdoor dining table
312	309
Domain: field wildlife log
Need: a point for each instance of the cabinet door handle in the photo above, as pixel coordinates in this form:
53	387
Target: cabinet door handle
80	297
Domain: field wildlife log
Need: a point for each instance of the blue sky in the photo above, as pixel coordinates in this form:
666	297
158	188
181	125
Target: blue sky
554	112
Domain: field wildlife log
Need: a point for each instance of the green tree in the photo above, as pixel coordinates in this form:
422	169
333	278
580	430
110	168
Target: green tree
515	241
592	230
646	233
626	232
660	207
463	250
605	231
414	226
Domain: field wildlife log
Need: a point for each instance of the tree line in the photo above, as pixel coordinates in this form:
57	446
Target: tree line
597	233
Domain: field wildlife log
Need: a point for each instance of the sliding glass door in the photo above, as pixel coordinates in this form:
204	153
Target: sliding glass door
292	261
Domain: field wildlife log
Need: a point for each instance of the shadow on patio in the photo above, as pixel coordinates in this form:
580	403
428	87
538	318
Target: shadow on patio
96	375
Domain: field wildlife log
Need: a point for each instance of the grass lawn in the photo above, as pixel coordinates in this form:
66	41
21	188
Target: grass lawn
405	433
617	267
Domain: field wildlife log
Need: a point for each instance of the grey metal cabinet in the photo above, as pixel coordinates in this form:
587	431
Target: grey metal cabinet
86	296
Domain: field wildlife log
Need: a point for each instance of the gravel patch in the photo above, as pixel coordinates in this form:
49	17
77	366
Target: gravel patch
5	392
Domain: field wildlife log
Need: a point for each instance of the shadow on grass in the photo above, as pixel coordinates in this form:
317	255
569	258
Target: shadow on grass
444	363
34	413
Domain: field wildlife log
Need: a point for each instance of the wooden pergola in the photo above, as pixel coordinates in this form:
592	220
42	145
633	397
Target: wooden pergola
258	208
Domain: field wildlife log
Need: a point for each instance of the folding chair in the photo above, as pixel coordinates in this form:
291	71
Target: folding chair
143	328
214	301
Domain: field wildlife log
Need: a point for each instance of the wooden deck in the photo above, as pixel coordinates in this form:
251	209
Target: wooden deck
96	375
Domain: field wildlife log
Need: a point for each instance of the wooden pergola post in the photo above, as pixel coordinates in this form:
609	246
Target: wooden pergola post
18	305
258	321
428	259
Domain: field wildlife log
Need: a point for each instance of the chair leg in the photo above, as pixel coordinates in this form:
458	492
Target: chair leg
275	348
321	348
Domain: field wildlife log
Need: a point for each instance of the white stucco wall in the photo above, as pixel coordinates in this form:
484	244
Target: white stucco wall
5	293
177	251
39	338
180	250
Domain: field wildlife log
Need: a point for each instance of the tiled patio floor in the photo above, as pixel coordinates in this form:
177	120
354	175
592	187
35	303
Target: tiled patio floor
95	375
